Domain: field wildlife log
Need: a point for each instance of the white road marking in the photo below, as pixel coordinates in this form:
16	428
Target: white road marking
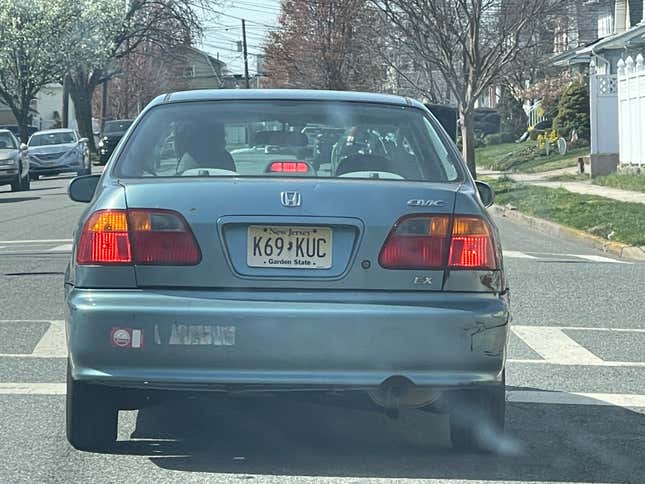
50	241
513	254
32	389
554	346
625	400
598	258
634	364
53	344
61	248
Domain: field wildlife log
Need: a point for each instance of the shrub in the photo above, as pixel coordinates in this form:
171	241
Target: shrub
514	120
573	112
499	138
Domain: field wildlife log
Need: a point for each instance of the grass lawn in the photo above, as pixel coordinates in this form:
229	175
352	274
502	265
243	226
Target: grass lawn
626	182
619	221
525	157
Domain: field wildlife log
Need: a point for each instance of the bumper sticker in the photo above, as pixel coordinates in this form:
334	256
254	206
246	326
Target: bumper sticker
195	335
127	338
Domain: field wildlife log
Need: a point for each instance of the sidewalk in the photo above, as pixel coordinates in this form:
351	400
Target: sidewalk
583	187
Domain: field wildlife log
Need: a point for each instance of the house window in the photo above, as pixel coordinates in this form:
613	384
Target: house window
605	25
189	72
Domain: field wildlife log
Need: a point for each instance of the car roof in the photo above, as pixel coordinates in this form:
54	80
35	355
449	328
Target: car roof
53	131
284	94
2	130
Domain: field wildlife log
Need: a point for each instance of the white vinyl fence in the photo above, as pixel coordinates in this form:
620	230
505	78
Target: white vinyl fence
631	110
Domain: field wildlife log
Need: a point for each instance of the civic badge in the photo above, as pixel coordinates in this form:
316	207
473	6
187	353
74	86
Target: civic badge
291	199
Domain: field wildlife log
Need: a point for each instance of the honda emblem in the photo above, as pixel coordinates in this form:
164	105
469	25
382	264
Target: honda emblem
291	199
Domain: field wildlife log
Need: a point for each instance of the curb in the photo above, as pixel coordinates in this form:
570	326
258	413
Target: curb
551	228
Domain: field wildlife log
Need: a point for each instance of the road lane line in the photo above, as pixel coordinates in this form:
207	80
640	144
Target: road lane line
44	241
554	346
598	258
521	361
32	389
53	343
624	400
513	254
61	248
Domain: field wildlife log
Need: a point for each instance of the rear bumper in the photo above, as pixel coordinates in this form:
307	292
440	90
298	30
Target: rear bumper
55	168
442	340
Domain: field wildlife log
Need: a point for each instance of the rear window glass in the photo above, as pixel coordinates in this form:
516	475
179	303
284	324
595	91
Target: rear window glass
288	138
116	127
47	139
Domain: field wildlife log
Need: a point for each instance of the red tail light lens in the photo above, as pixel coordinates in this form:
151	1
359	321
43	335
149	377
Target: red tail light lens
162	237
139	236
471	246
289	167
416	242
105	239
427	242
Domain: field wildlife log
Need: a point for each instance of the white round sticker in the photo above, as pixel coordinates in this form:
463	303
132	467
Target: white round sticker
121	337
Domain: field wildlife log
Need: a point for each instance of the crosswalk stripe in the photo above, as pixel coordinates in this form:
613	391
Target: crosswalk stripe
625	400
554	346
598	258
53	344
513	254
45	241
62	248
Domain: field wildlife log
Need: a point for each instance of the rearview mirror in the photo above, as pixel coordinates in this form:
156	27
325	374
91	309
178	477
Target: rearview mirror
82	188
486	193
23	147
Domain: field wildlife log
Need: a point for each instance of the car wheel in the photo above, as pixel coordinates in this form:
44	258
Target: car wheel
91	415
477	418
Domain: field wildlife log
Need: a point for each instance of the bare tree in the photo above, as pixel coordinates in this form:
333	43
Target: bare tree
108	34
470	42
324	44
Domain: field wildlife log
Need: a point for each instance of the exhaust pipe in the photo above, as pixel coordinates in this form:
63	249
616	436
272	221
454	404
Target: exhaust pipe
399	392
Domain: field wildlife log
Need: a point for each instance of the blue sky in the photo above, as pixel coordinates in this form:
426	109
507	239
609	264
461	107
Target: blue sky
222	34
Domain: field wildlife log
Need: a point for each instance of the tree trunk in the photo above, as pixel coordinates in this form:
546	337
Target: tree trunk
81	93
467	118
22	119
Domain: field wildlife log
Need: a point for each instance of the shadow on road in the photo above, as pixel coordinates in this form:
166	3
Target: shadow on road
285	437
18	199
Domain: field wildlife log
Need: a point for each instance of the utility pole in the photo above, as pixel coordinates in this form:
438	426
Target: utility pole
65	120
104	100
246	55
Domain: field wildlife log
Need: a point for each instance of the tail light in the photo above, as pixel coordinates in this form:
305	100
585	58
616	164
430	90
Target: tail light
137	236
288	167
439	241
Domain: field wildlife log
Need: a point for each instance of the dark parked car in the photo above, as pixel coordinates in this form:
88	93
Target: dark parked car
204	267
14	165
113	131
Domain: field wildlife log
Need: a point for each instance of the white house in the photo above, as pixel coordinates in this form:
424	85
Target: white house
616	71
47	109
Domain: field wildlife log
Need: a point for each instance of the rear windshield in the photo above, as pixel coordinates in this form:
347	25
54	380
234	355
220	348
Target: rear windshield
47	139
116	127
288	138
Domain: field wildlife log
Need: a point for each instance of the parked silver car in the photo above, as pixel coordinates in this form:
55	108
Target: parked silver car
57	151
14	166
201	266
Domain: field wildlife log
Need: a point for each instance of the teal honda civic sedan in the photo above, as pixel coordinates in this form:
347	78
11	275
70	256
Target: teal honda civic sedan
285	241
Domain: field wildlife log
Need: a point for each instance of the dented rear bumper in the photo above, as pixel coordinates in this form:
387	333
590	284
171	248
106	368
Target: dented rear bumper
225	339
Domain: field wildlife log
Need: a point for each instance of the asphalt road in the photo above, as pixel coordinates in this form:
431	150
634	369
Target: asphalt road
576	377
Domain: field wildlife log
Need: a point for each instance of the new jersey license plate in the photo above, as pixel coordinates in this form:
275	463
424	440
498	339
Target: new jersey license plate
289	247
